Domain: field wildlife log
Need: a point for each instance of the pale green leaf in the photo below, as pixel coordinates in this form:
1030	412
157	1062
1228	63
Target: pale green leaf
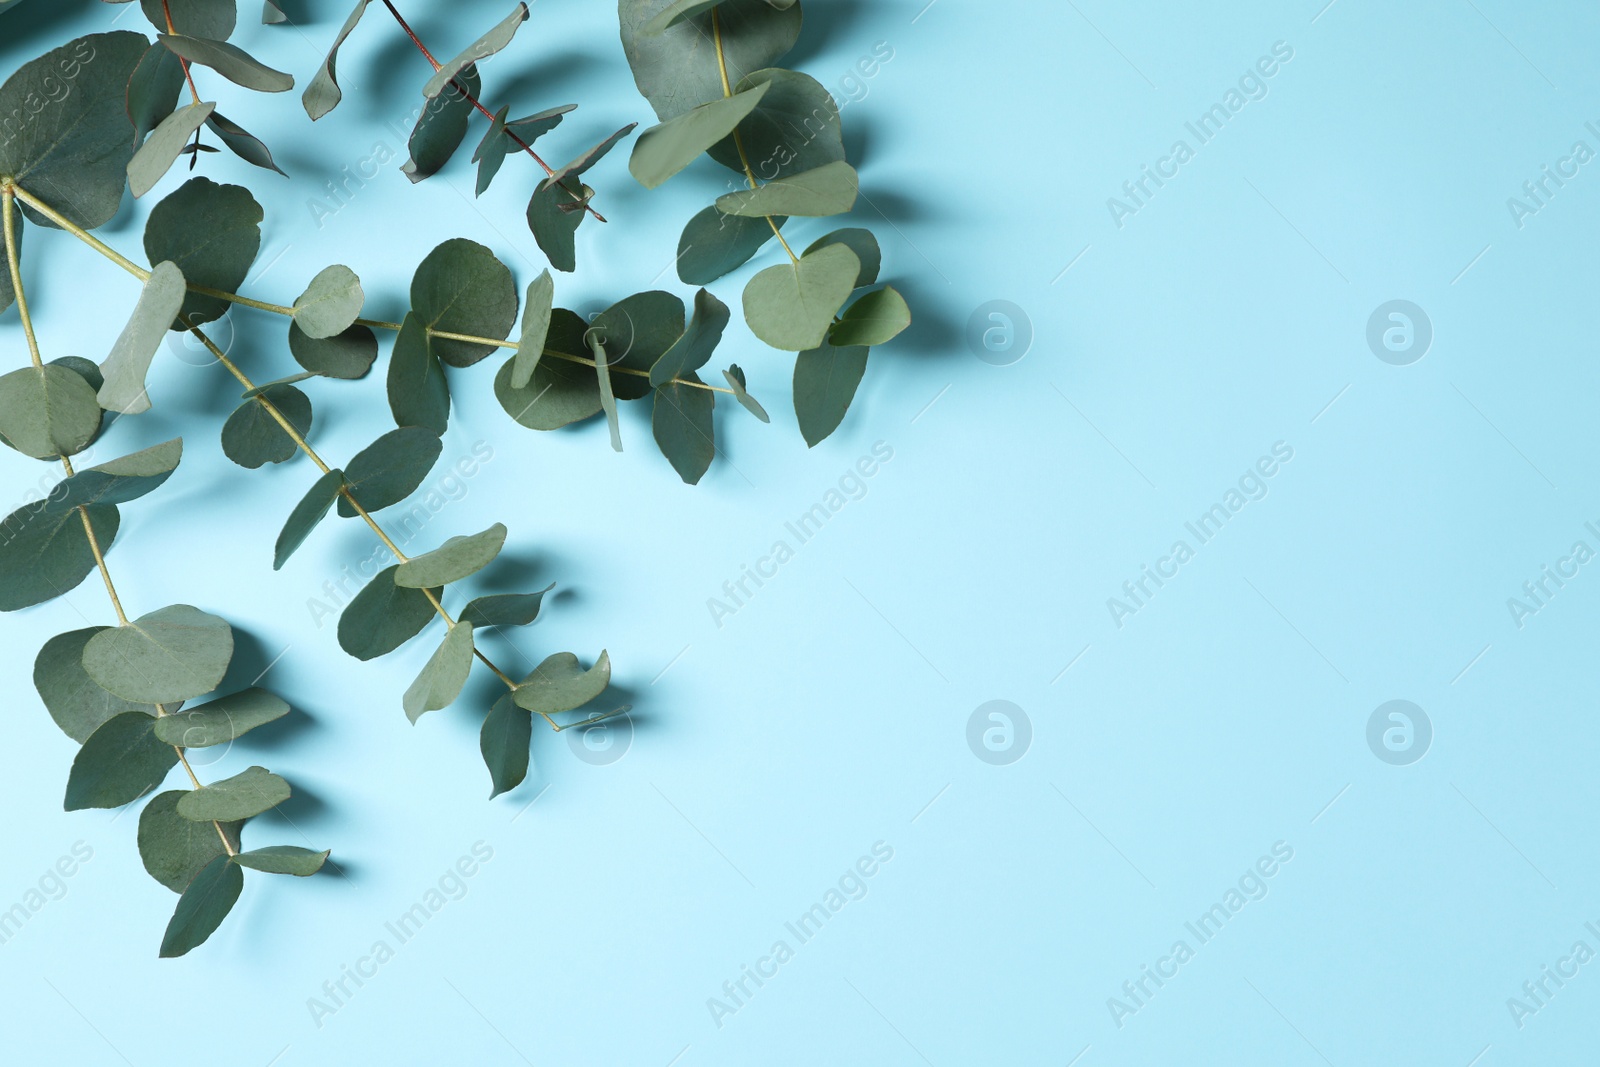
322	93
220	720
246	794
125	368
791	306
664	150
536	310
47	411
736	382
171	654
697	345
445	673
875	319
560	684
331	303
828	190
491	42
452	561
283	859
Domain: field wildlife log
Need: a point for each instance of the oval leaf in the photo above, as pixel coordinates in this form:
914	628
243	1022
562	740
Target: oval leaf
331	303
507	732
169	655
246	794
74	701
230	61
461	287
390	469
383	616
444	674
175	849
791	306
305	516
350	354
121	762
452	561
220	720
44	552
828	190
253	438
206	901
560	684
283	859
875	319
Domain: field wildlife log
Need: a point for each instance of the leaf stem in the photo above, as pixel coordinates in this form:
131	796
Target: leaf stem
738	141
16	275
166	12
476	103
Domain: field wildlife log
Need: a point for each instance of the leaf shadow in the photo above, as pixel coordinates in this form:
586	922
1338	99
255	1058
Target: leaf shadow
825	21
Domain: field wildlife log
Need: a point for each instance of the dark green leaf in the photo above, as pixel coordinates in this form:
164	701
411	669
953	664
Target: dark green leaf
714	244
875	319
796	127
74	153
863	244
497	143
636	332
125	368
206	901
825	381
682	427
331	303
736	382
252	437
830	189
305	516
153	89
246	794
283	859
497	38
560	684
792	305
220	720
579	166
441	126
171	654
322	93
507	732
675	12
444	674
164	145
664	150
197	18
212	233
419	394
44	552
462	288
120	480
87	369
242	143
535	329
452	561
697	345
677	69
230	61
74	701
383	616
121	762
390	469
505	609
553	216
561	391
47	411
345	355
175	849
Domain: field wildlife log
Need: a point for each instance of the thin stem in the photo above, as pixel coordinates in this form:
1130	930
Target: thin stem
166	11
738	141
462	89
16	277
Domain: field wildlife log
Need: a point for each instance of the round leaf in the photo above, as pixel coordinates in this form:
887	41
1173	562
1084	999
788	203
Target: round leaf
47	411
211	233
875	319
344	355
794	128
462	288
676	67
175	849
383	616
169	655
792	305
75	702
331	303
252	437
121	762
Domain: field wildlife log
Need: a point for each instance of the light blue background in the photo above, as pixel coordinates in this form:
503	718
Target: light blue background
830	713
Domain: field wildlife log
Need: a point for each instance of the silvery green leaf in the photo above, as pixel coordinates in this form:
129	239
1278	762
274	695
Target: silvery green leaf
125	368
444	674
452	561
246	794
791	306
168	655
230	61
491	42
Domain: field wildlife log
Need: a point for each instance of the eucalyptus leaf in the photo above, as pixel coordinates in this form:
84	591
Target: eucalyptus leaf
497	142
736	382
220	720
283	859
75	702
272	14
166	142
230	61
331	303
306	515
553	218
119	763
637	331
491	42
87	369
120	480
47	411
153	89
452	561
560	684
73	154
206	901
697	345
795	128
683	428
505	609
830	189
825	381
791	306
242	143
390	469
608	396
125	368
504	741
419	395
246	794
461	287
444	674
262	388
863	243
212	233
213	19
253	438
664	150
322	93
875	319
44	552
441	125
714	244
588	158
349	354
175	849
168	655
536	311
677	68
383	616
560	392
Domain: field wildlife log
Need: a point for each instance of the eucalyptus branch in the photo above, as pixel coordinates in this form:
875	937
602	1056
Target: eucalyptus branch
738	137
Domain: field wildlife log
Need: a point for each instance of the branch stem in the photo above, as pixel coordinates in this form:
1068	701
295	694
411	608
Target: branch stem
738	141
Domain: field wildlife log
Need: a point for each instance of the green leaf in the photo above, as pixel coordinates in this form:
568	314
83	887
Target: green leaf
344	355
675	12
119	763
796	127
213	19
536	310
73	152
153	89
588	158
242	143
211	233
44	552
383	616
560	392
87	369
47	411
306	515
875	319
487	45
263	388
125	368
637	332
206	901
322	93
462	288
792	305
697	345
828	190
161	149
120	480
175	849
419	395
682	427
825	381
452	561
735	378
504	740
283	859
664	150
253	438
390	469
560	684
553	215
171	654
272	14
220	720
331	303
677	69
230	61
246	794
445	673
608	396
714	244
441	126
504	609
863	244
497	142
75	702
